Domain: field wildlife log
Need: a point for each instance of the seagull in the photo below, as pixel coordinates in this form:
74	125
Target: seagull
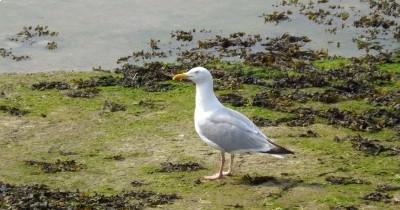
225	129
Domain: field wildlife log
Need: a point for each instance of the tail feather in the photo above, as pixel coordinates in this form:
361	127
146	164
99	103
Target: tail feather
278	150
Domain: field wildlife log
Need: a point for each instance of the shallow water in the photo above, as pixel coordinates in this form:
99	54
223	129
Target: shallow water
98	32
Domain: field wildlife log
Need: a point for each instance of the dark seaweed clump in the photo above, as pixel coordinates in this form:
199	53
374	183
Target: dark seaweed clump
50	85
349	119
113	107
233	98
31	34
13	110
310	80
370	120
342	207
83	93
102	81
302	117
233	79
390	99
284	52
345	180
387	187
5	53
172	167
375	20
276	17
51	45
380	21
378	196
358	72
368	146
88	88
118	157
361	122
147	77
275	97
41	197
182	35
141	76
262	122
28	32
8	53
329	96
224	44
271	99
355	89
58	166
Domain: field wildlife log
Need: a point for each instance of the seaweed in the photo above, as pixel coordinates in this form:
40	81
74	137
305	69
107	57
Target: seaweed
182	35
58	166
140	76
113	107
29	32
83	93
102	81
271	99
276	17
345	180
44	85
118	157
41	197
13	110
262	122
377	196
233	98
8	53
51	45
173	167
368	146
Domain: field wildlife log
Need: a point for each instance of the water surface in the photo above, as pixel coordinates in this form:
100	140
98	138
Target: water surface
98	32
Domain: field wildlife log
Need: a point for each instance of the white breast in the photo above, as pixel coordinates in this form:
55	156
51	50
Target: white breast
200	118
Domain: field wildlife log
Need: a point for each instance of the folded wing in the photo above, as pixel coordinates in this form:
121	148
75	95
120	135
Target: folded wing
234	132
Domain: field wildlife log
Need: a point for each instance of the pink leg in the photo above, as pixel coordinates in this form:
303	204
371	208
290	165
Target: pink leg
219	174
230	170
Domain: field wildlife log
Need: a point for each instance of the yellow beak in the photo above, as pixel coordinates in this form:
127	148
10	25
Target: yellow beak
180	77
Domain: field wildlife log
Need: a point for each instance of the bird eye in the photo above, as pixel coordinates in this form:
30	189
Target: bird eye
196	72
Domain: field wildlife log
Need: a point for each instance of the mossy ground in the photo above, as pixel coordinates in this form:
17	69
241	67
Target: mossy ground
60	127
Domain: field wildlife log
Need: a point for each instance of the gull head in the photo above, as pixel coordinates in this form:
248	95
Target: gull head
198	75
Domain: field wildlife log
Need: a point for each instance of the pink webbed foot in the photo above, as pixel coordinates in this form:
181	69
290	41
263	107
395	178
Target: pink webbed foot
227	173
214	177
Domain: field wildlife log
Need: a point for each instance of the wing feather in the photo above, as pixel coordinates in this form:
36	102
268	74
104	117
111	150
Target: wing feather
233	132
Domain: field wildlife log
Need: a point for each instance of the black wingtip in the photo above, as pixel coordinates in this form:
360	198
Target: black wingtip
278	150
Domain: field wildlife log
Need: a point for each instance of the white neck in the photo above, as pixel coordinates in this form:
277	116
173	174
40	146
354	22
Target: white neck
205	97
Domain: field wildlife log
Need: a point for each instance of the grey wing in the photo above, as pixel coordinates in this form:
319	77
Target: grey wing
233	132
